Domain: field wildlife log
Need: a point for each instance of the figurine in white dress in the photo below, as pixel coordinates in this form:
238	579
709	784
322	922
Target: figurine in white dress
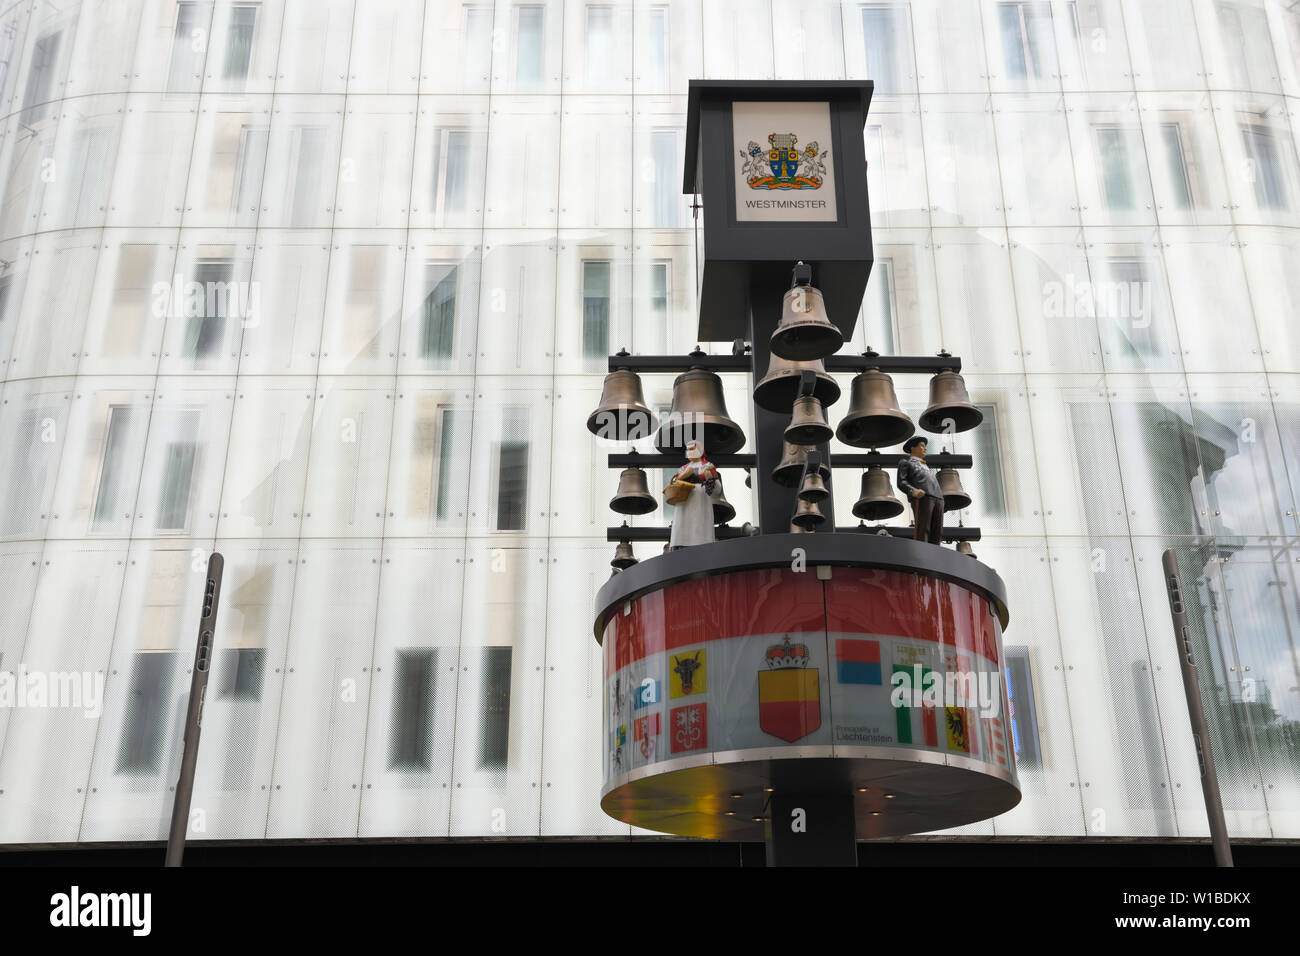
693	518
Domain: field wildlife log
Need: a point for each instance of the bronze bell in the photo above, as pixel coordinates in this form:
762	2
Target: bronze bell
723	510
622	414
805	333
949	400
633	496
796	529
813	488
954	495
623	556
875	419
808	423
699	412
793	460
965	548
780	386
808	516
877	502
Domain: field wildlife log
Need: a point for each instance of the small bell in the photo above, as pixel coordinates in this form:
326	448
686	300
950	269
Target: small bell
813	488
622	414
808	516
805	333
877	502
954	495
723	511
793	460
965	548
623	556
950	408
796	529
875	419
633	496
808	423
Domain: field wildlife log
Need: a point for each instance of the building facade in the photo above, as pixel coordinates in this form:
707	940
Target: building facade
329	286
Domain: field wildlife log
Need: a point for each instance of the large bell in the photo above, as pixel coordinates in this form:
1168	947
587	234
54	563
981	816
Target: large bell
623	556
699	412
622	414
633	496
877	502
723	510
808	423
875	419
949	400
780	386
805	333
808	516
813	488
954	495
793	461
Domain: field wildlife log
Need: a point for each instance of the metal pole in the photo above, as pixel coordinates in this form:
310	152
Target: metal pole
194	714
1196	711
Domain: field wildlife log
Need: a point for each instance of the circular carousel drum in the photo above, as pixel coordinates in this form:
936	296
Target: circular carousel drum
813	664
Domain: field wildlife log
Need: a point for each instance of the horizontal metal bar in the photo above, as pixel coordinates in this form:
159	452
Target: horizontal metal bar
900	364
884	460
680	363
957	533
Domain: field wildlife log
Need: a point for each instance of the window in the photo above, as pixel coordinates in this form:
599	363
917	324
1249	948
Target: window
656	78
512	470
181	429
879	309
990	495
305	187
40	78
1024	715
148	713
600	45
667	184
595	309
881	31
188	47
1028	47
1119	150
528	46
451	166
129	310
204	334
476	45
239	42
1130	308
241	673
1265	155
1180	185
113	501
410	742
252	162
452	467
85	192
494	727
659	291
30	454
438	329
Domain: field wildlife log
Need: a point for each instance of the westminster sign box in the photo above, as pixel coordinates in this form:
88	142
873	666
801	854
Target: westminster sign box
779	168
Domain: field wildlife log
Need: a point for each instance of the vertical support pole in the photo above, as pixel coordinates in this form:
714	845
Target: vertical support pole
811	830
194	713
775	504
1196	712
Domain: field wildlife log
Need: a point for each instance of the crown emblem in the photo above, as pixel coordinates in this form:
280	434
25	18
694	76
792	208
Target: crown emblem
785	655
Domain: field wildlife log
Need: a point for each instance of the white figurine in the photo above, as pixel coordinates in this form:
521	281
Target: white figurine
693	518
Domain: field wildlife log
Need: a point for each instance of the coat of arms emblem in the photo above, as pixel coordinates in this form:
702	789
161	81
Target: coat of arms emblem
782	165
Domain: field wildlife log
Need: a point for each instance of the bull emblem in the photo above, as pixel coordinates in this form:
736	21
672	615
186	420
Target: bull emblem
685	668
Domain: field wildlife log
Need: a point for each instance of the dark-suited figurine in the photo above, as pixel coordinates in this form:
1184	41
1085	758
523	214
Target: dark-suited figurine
922	489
